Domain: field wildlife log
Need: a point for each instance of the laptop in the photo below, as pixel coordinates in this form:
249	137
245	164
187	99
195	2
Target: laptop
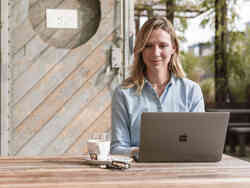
182	136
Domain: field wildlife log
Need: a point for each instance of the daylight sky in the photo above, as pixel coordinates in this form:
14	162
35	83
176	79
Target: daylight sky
196	34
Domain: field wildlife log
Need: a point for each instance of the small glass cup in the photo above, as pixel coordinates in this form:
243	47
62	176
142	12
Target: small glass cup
99	146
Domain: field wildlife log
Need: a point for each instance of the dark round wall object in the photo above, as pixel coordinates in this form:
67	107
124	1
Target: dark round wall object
89	16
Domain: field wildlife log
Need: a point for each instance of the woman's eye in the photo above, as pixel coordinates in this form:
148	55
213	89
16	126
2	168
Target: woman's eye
163	45
148	46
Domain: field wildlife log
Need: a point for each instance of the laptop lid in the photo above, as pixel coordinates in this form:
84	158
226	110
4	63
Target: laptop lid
182	136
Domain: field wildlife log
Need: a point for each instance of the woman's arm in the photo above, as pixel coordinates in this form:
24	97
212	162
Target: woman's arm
120	141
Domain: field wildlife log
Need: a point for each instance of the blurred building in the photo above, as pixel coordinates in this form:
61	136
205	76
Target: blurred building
201	49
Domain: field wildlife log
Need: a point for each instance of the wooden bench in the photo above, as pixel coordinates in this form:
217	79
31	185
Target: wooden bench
238	128
239	124
240	131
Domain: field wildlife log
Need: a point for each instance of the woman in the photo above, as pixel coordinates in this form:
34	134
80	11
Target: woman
157	84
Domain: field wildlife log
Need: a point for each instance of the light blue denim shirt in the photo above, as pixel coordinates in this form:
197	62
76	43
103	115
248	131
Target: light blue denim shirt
180	95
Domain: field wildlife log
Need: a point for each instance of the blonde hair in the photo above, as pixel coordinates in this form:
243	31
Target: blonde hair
138	72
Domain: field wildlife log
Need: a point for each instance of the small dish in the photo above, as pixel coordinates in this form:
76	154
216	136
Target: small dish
111	158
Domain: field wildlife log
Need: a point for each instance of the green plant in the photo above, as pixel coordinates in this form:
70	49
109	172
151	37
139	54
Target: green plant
208	90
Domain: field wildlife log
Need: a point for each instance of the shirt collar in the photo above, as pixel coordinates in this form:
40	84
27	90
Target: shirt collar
171	81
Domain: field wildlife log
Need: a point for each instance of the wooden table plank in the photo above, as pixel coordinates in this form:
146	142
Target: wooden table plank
70	171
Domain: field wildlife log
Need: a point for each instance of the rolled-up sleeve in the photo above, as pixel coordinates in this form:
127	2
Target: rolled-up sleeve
120	141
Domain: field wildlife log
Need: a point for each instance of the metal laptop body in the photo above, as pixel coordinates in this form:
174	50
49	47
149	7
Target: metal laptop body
182	136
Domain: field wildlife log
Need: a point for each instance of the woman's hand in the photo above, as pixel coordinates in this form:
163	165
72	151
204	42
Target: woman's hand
134	153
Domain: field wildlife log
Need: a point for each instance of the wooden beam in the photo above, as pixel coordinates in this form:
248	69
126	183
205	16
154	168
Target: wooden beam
5	77
125	5
128	30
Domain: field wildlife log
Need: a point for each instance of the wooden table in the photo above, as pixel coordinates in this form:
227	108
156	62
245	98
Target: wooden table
70	172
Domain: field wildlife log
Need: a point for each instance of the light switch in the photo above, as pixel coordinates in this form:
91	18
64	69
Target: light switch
62	18
116	58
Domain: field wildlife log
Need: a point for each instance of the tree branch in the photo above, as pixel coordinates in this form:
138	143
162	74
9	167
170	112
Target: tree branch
180	9
176	16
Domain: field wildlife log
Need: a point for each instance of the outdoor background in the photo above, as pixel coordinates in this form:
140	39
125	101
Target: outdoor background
209	29
214	39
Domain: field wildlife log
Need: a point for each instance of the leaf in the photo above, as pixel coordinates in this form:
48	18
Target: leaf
204	22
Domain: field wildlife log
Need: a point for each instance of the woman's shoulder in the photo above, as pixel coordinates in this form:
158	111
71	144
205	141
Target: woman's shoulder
186	82
122	90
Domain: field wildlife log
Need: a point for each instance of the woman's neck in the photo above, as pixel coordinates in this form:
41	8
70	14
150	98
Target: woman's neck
159	78
159	81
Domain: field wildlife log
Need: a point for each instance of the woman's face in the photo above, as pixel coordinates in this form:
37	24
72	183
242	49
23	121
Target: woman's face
158	50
